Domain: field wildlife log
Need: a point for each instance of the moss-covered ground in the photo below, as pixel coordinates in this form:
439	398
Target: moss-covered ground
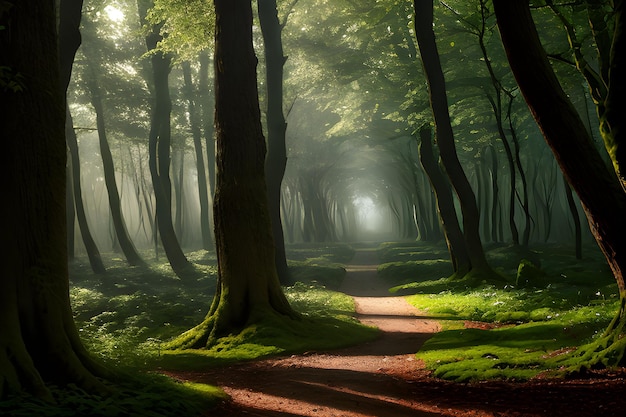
125	315
530	324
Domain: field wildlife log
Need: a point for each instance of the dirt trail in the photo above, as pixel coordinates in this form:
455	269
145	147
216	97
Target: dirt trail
382	378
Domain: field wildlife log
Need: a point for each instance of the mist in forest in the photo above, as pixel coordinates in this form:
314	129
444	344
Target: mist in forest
353	168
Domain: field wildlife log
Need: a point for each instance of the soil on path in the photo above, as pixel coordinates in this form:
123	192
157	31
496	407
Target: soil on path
383	378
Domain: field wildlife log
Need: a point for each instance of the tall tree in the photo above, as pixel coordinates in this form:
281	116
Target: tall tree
276	159
93	86
126	243
196	133
600	191
248	288
445	204
159	147
445	136
38	340
93	253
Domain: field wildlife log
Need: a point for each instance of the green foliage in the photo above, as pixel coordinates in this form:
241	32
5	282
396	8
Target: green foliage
141	396
126	317
328	323
555	320
516	352
187	26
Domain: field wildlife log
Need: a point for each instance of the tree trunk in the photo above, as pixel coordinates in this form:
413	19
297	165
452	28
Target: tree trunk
522	175
90	244
248	288
70	211
445	204
159	149
574	212
124	240
203	190
276	159
601	193
207	120
445	137
38	340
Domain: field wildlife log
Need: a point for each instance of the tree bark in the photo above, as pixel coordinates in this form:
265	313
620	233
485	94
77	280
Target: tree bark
196	133
207	120
445	204
95	260
276	159
38	340
445	137
248	288
125	242
601	193
159	151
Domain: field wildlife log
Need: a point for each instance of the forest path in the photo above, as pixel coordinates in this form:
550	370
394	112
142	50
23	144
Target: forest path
368	380
382	378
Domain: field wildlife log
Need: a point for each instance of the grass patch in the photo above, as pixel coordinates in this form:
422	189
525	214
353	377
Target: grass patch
517	352
566	305
328	323
125	316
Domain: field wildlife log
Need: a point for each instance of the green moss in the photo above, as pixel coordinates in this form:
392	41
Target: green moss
328	323
516	352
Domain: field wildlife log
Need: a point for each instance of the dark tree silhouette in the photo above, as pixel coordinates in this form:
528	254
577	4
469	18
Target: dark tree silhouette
38	340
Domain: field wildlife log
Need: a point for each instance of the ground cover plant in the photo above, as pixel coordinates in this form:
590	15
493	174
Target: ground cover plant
126	315
530	325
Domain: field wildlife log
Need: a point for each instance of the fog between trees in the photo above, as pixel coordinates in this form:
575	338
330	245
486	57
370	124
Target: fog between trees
354	97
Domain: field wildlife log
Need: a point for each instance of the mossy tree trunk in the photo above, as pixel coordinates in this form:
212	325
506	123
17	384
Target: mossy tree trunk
248	287
599	189
38	340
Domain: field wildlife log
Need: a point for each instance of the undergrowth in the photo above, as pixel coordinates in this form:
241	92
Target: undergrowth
125	315
511	331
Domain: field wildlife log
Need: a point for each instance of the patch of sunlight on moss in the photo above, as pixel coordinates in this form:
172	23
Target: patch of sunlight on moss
515	352
206	389
328	323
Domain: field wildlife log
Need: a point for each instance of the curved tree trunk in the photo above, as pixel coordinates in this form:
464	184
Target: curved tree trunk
90	244
125	242
248	288
159	151
39	343
445	137
600	191
276	159
445	204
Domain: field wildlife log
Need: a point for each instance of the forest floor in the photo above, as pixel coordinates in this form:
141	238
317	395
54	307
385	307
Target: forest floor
383	378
